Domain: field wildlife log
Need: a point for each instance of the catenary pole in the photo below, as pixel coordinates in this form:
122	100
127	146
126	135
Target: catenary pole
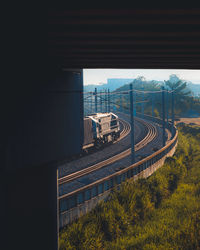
101	101
172	110
153	105
91	108
108	100
105	101
132	126
167	108
120	106
95	96
163	114
134	106
143	103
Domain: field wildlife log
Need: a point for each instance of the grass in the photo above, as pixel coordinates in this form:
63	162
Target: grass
161	212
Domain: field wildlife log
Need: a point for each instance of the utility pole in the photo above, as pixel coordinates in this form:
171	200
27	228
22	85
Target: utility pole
105	101
120	96
91	103
101	101
143	103
132	125
108	100
167	107
163	114
95	95
172	109
134	106
153	106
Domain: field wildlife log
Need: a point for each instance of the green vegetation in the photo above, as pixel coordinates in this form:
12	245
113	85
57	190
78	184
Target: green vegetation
161	212
185	104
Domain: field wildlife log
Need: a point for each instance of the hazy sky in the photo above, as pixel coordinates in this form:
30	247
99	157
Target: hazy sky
96	76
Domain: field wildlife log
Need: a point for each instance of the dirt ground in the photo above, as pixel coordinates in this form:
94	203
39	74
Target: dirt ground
189	120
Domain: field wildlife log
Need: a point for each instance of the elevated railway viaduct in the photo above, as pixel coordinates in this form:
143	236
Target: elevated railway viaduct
41	101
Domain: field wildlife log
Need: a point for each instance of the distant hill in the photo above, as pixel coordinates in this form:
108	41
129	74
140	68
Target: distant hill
122	84
112	84
195	88
115	83
91	87
142	85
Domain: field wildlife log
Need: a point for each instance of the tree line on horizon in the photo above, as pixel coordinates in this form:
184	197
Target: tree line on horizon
114	84
185	103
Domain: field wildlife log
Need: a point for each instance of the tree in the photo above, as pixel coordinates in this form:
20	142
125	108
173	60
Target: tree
181	93
179	86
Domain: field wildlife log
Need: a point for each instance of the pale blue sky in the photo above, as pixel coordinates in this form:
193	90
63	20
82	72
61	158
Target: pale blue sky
97	76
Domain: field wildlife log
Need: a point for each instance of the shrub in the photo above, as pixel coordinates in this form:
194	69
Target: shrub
160	212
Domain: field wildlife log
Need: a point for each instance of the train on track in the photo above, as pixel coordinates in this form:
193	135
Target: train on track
100	128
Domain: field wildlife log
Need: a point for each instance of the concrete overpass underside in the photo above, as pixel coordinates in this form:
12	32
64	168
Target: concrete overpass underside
42	107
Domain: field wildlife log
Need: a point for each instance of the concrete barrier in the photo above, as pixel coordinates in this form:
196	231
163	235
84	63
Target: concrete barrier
76	212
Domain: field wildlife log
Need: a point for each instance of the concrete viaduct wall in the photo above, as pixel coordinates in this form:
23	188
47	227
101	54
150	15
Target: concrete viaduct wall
74	213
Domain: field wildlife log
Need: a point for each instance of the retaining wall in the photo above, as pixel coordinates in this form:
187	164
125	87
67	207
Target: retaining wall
141	169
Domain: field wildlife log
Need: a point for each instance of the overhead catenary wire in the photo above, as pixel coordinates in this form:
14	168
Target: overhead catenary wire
128	91
104	99
92	93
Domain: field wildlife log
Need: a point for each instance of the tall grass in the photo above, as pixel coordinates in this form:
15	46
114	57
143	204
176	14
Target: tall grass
161	212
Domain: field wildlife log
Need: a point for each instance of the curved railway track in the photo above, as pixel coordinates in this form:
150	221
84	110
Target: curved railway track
125	131
152	133
68	167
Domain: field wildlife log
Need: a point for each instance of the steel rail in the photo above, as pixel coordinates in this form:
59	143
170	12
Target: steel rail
121	171
152	133
125	131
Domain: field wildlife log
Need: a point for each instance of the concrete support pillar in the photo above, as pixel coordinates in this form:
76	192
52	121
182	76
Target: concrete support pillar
31	208
42	125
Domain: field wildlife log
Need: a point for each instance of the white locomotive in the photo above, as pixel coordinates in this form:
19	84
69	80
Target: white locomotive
100	128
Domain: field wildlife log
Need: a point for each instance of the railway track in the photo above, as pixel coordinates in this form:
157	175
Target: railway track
91	155
127	128
125	131
152	133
